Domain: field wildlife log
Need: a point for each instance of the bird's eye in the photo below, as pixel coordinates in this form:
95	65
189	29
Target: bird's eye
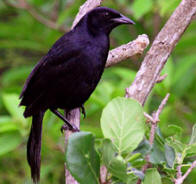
106	14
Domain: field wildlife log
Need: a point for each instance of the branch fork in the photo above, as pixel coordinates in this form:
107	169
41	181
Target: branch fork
180	178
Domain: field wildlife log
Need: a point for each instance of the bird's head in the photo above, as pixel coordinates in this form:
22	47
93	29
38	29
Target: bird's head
102	19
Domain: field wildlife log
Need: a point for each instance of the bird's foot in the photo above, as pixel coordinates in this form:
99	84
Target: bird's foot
83	111
65	128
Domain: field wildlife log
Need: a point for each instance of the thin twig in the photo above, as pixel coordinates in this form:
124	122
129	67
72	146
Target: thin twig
23	4
161	78
179	172
180	179
154	119
148	117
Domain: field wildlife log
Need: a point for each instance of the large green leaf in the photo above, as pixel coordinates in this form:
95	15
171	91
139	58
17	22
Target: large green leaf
9	141
122	121
114	162
152	176
81	158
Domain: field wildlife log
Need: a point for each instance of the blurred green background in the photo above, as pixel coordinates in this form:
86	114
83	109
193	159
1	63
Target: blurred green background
27	34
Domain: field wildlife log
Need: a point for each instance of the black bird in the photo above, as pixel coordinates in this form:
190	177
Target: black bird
67	75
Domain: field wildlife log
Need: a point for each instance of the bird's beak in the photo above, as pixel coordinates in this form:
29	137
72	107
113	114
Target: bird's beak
123	20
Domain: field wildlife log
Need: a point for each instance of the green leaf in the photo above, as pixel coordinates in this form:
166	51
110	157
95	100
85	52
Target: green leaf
143	148
152	176
113	161
133	157
157	156
132	179
190	150
122	121
141	7
6	124
193	135
168	6
15	75
11	102
174	129
82	159
176	144
185	67
169	155
9	141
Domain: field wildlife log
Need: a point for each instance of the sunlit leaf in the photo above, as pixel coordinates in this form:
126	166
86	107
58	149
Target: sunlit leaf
122	121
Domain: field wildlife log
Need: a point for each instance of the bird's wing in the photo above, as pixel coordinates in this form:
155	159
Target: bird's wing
49	67
31	76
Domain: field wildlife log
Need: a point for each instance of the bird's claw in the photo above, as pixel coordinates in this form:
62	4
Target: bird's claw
65	128
83	111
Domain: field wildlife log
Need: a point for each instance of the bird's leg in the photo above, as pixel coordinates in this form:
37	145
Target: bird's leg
83	111
67	125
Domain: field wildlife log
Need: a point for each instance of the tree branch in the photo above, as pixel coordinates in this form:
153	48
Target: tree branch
74	118
180	179
160	50
86	7
155	117
127	50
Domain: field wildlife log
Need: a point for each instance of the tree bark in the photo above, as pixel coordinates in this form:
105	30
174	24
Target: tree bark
160	50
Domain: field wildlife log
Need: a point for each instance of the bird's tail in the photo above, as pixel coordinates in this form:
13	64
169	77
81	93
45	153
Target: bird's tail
34	146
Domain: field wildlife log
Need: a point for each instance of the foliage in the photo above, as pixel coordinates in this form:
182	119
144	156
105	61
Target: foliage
24	40
121	148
